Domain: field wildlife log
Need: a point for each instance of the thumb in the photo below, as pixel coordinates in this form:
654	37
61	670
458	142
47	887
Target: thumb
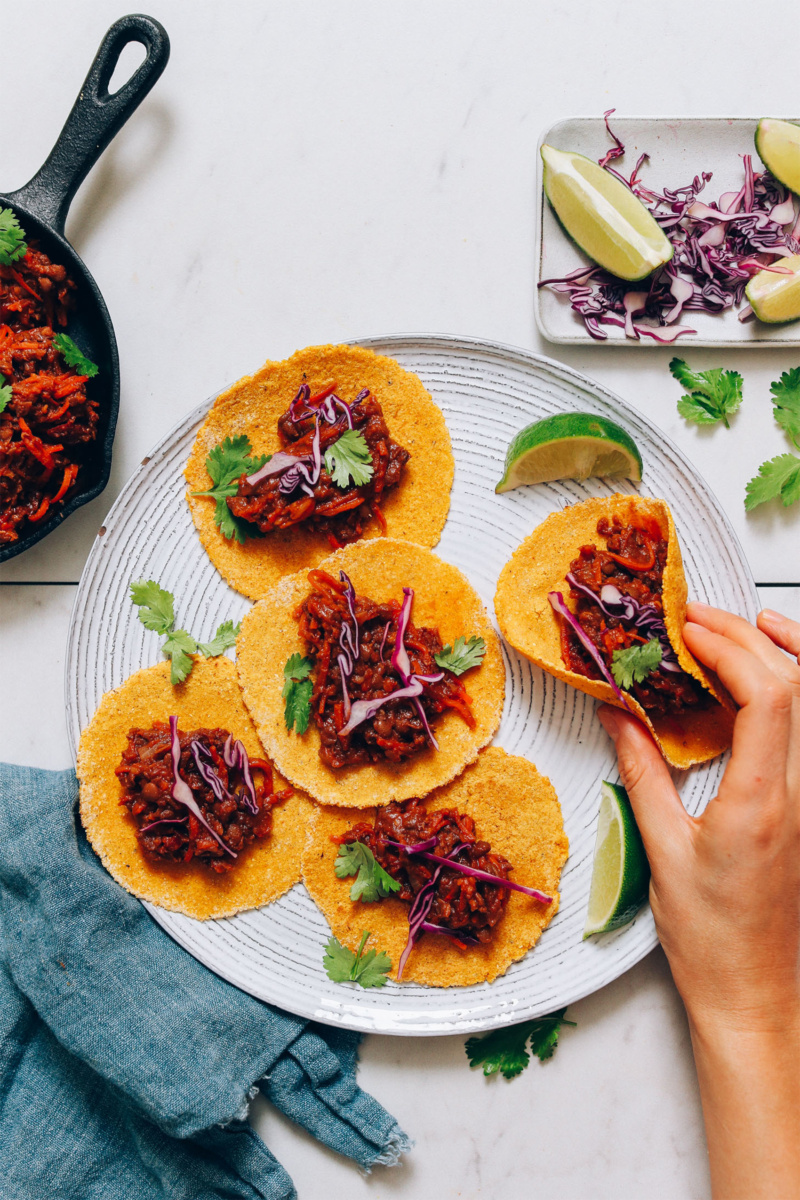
661	817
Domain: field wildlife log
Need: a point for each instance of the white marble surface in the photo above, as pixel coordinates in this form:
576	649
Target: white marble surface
307	171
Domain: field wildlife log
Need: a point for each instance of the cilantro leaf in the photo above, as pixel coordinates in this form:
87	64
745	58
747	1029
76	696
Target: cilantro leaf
506	1050
225	637
156	606
786	403
780	476
635	664
179	647
462	655
5	393
12	238
297	692
74	357
226	463
372	882
349	458
348	966
713	395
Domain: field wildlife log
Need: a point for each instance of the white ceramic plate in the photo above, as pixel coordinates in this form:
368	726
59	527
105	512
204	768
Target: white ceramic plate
487	393
679	149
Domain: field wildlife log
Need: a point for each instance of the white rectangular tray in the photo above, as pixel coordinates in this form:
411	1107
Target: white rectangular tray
679	149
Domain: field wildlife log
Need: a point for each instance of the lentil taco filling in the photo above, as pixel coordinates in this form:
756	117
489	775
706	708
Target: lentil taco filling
461	905
195	796
302	483
49	416
618	594
377	687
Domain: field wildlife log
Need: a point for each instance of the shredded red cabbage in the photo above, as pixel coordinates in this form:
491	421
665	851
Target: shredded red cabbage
304	472
235	757
557	601
401	664
626	608
423	901
181	790
717	249
348	641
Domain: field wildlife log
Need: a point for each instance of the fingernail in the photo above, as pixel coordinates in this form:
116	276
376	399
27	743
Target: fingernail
768	615
608	719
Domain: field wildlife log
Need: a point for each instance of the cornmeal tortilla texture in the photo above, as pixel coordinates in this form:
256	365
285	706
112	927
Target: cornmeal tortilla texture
443	598
415	510
210	698
527	620
517	811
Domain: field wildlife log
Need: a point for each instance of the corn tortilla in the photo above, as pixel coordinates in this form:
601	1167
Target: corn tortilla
209	698
380	569
415	510
528	622
515	809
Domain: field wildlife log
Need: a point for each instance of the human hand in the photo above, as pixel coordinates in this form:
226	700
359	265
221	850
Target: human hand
725	889
725	894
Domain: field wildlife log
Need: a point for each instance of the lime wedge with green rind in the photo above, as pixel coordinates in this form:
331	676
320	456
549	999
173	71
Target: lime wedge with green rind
778	146
620	872
603	216
570	446
775	298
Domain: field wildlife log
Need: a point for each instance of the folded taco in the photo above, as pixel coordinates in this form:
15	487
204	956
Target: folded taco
332	446
178	800
373	677
454	887
597	596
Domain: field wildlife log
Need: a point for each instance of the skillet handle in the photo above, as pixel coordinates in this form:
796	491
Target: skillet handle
95	118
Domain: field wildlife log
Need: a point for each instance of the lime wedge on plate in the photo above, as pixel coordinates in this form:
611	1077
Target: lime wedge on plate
603	216
778	146
776	298
570	446
620	872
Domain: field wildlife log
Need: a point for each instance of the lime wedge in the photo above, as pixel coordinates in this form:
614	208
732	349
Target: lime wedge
570	446
776	298
778	146
620	872
603	216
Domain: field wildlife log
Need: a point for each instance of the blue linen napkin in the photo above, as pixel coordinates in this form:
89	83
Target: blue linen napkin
127	1067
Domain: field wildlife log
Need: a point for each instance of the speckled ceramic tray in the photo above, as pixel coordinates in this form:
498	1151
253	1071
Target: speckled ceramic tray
679	149
487	393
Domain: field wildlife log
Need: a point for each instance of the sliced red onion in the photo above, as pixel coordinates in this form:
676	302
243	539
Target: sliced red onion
557	601
181	790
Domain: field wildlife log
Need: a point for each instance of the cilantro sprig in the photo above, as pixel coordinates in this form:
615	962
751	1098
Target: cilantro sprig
348	966
711	395
5	393
296	692
636	663
225	464
74	356
462	655
157	612
779	478
786	404
12	238
372	882
349	458
506	1050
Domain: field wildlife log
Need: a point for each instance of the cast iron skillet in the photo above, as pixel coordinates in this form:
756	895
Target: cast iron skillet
41	207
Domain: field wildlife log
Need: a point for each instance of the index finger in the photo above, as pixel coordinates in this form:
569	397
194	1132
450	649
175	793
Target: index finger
762	731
